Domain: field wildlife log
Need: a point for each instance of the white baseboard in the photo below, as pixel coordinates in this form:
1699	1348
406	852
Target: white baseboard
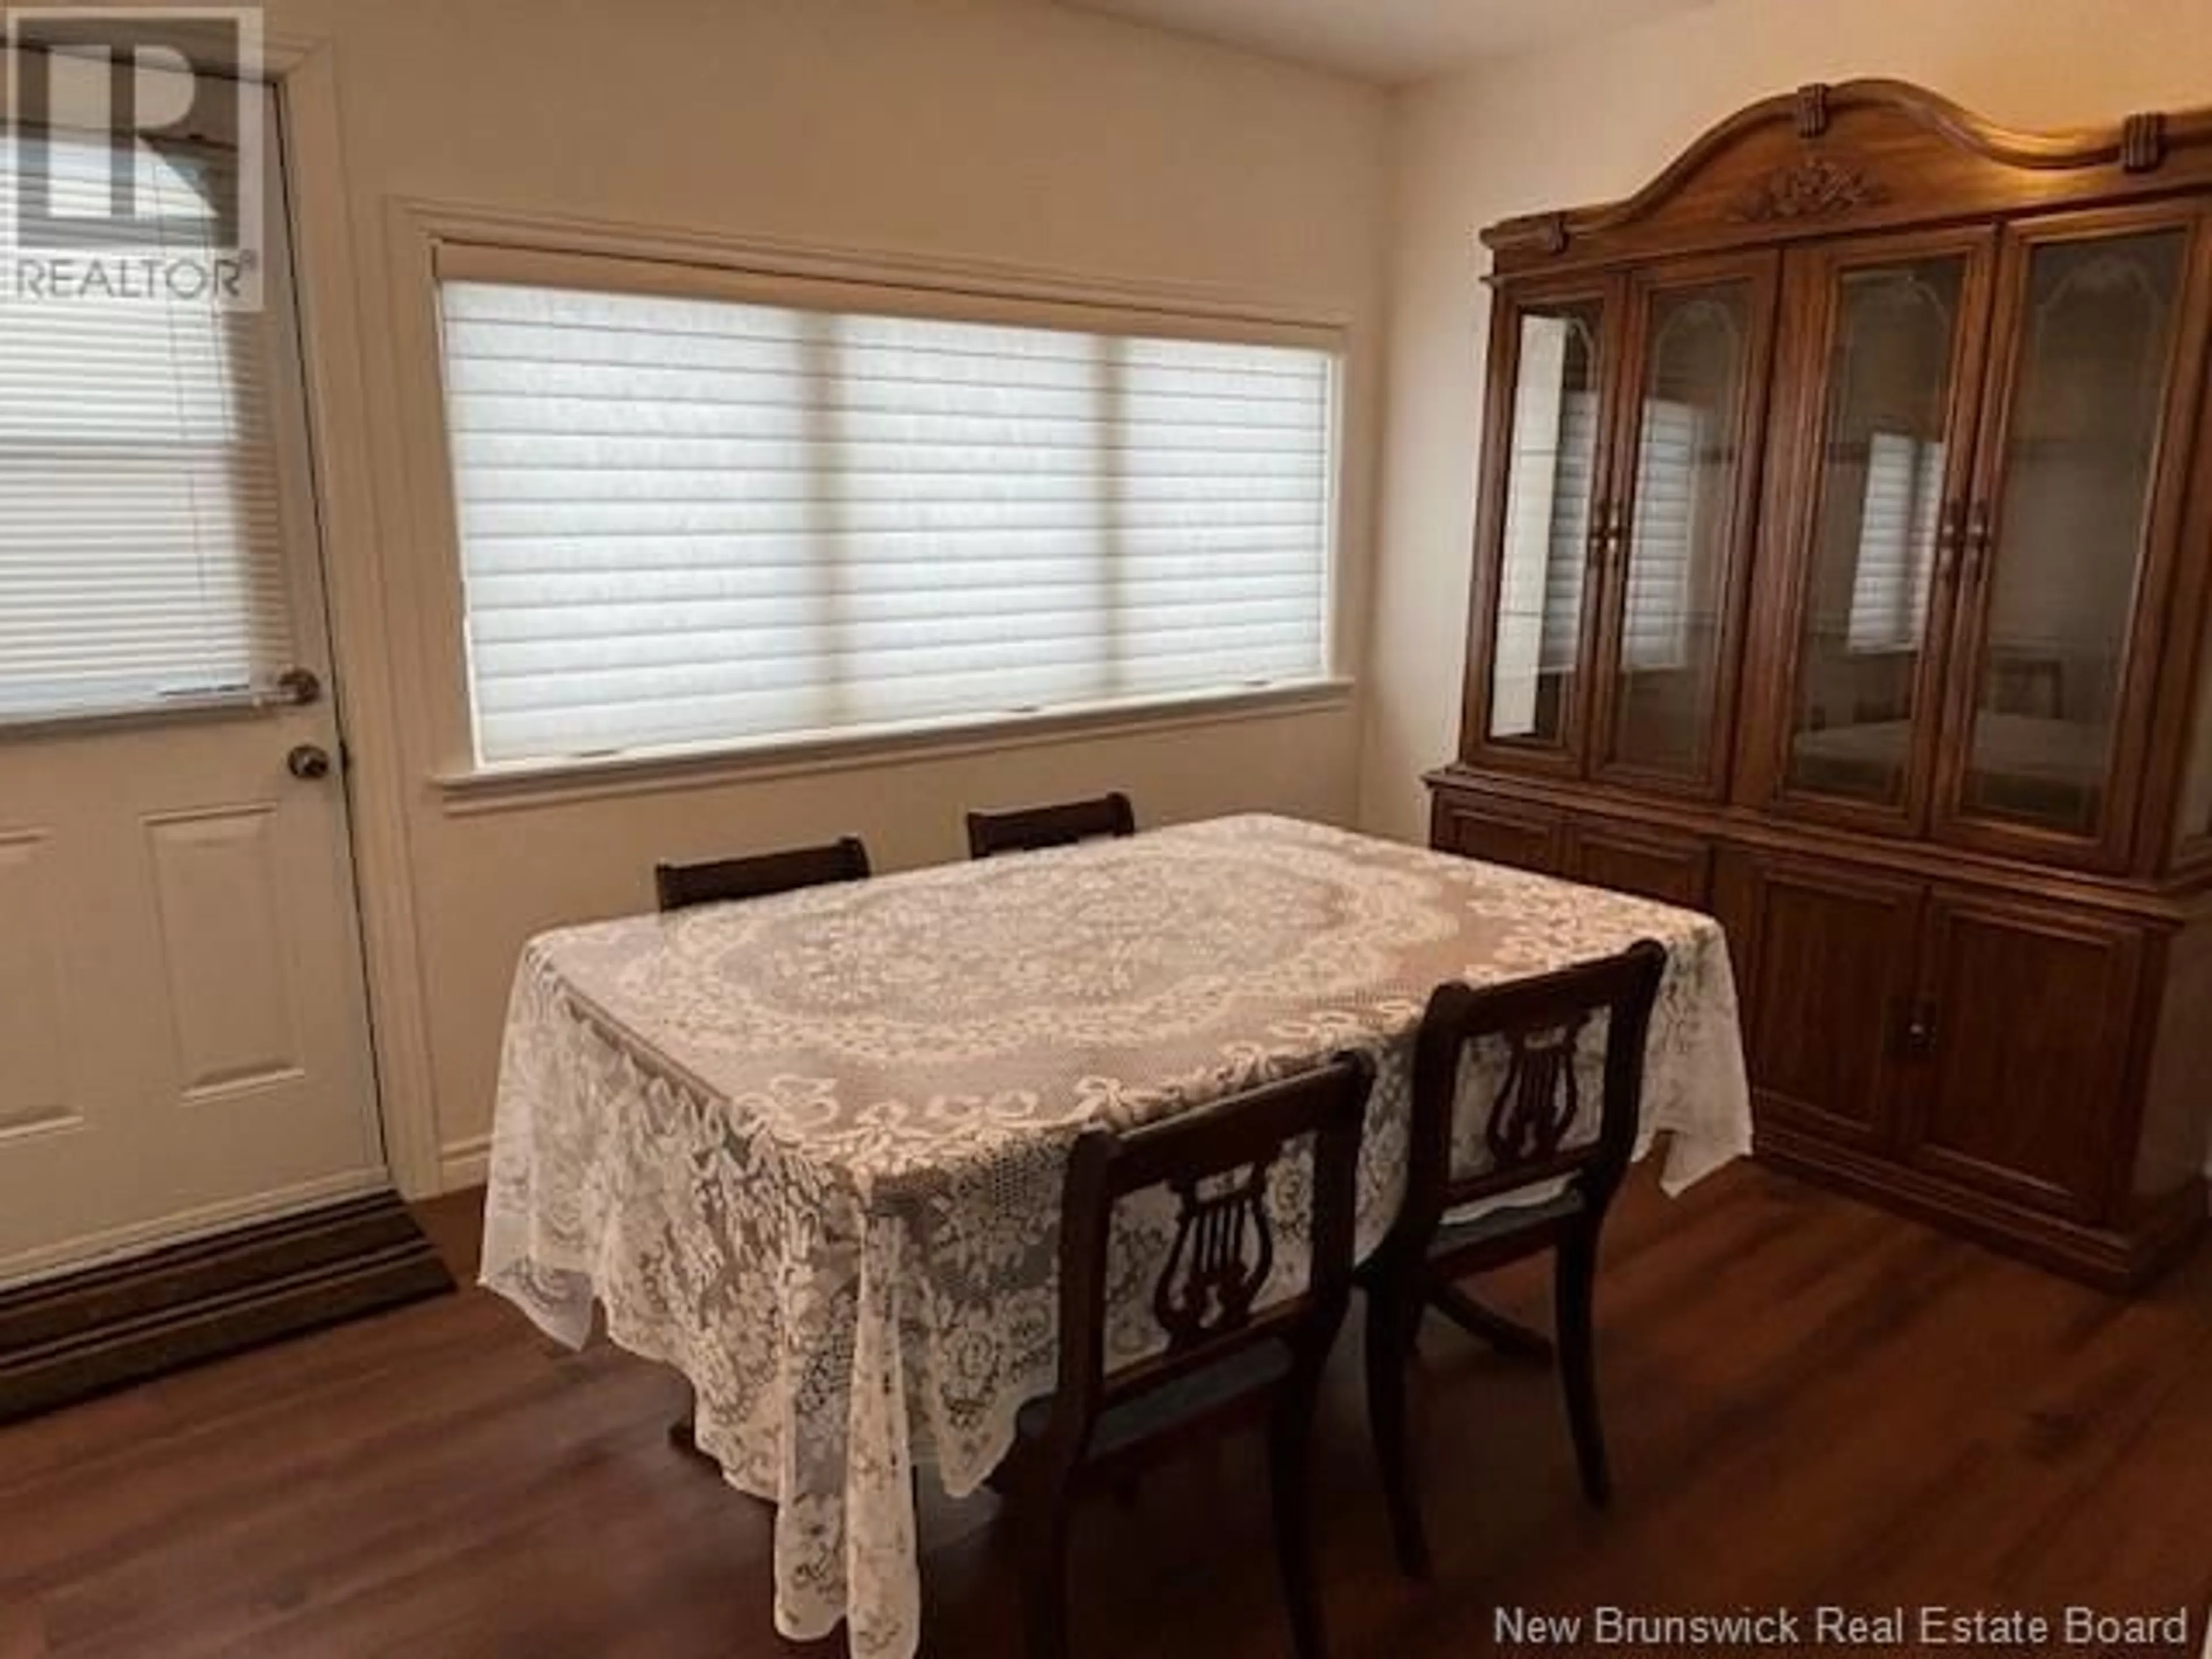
464	1163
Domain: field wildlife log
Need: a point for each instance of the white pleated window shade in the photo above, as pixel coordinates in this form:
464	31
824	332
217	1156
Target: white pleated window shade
1897	542
141	558
696	522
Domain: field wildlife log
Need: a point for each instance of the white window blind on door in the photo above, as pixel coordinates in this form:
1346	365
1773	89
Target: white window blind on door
695	521
141	557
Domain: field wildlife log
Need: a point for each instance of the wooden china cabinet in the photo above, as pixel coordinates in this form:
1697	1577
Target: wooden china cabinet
1842	566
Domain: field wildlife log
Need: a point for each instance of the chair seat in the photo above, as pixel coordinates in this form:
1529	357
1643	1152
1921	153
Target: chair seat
1185	1399
1504	1222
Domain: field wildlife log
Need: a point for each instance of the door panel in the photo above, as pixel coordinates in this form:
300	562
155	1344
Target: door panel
1826	957
1498	832
2069	535
2029	1050
1545	464
1676	548
215	893
35	1090
1884	342
1656	864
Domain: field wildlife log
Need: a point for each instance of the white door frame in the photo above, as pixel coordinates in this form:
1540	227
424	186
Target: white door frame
302	73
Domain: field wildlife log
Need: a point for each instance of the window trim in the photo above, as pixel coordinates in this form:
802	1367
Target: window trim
429	241
498	787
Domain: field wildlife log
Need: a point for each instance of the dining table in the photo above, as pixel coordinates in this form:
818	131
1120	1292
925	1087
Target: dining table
808	1149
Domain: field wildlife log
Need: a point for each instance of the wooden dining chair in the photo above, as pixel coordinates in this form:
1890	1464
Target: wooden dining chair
681	885
1030	829
1528	1132
1227	1361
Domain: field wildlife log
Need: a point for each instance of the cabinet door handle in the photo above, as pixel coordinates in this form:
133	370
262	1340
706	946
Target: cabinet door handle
1978	541
1608	533
1949	528
1920	1028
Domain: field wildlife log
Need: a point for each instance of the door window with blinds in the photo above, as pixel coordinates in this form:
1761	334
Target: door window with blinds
693	521
141	551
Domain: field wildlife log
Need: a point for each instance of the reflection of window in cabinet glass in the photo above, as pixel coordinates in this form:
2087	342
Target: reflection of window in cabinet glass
2081	450
1675	575
1551	480
1899	511
1864	621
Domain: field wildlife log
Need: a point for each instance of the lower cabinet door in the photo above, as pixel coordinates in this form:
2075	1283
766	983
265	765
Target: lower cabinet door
1497	832
1823	956
1658	864
2031	1011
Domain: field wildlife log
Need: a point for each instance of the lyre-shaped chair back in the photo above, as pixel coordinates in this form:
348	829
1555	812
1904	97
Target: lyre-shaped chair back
1223	1254
1216	1164
1030	829
678	886
1531	1112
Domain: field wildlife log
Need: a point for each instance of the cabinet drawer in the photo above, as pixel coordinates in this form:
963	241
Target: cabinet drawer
1675	869
1497	832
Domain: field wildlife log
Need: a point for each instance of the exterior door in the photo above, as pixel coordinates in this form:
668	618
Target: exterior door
2077	511
183	1026
1677	544
1882	346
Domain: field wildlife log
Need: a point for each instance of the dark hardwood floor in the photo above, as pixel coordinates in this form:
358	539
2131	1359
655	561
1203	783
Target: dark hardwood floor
1809	1401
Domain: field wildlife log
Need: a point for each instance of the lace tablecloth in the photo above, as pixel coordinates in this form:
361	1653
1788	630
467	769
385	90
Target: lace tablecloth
807	1150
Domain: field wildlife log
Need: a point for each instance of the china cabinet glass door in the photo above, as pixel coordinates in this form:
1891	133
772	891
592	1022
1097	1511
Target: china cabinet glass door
2067	538
1547	459
1887	337
1677	541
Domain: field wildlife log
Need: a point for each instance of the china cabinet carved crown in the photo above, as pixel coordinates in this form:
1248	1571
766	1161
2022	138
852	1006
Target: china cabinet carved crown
1842	566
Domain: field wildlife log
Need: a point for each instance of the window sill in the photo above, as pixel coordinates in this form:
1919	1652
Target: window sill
549	783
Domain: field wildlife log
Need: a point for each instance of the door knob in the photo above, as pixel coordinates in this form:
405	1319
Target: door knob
309	760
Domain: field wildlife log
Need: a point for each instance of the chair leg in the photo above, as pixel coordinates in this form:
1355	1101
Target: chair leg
1042	1518
1574	1288
1509	1337
1389	1315
1289	1435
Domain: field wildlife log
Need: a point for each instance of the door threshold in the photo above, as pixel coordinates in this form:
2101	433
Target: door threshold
82	1333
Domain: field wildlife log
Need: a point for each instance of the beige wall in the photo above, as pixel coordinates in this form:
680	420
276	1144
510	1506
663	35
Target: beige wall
1593	121
1006	131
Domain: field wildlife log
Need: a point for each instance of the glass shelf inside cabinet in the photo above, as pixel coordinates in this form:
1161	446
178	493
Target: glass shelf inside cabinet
1551	476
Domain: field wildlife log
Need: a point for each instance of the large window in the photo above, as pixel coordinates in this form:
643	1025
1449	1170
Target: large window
699	521
141	541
